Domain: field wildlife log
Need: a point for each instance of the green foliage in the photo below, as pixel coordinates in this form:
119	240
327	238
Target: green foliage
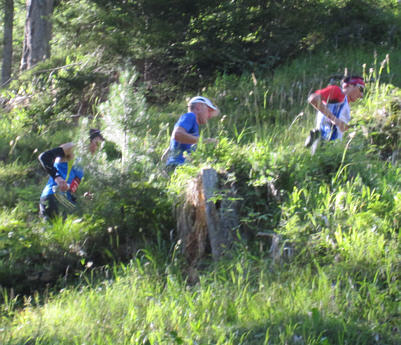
16	187
124	114
57	92
139	210
39	253
141	304
170	44
381	124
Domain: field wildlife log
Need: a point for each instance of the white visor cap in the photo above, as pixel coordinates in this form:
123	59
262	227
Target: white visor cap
204	100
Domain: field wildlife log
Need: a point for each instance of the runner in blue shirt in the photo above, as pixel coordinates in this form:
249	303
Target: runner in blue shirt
185	135
65	174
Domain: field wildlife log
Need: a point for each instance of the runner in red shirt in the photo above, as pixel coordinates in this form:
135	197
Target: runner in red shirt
332	104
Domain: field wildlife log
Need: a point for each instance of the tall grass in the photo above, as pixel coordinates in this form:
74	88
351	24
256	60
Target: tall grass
241	302
265	103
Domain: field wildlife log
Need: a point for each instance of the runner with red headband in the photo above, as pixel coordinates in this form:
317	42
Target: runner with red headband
332	104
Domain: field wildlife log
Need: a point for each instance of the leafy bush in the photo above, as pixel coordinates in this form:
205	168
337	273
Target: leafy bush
381	125
170	44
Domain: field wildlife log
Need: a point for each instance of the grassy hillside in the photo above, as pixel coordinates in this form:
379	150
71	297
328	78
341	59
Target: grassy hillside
109	274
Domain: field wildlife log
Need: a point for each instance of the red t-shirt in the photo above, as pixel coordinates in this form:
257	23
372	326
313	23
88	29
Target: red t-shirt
331	94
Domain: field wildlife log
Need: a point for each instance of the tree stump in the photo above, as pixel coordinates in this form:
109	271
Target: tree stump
207	218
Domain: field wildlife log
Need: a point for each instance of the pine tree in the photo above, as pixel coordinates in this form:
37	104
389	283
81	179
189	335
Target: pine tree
124	114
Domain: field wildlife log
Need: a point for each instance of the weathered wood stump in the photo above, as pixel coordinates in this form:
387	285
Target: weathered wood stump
207	218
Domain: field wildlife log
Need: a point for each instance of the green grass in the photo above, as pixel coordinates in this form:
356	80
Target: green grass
246	301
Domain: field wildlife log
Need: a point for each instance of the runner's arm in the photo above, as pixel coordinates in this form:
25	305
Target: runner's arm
164	155
182	136
48	158
316	101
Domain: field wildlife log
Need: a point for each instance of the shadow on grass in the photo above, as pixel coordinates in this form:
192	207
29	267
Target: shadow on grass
314	328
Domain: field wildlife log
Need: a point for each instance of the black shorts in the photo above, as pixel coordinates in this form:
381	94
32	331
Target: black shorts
48	207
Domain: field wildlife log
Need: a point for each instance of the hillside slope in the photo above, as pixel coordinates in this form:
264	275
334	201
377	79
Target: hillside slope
116	278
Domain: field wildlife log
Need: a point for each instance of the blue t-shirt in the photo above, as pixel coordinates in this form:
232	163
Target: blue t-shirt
62	168
177	149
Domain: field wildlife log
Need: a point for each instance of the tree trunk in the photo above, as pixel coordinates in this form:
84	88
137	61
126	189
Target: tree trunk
221	219
38	30
207	218
7	41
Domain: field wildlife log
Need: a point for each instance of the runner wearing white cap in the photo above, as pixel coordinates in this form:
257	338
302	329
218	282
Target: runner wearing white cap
185	135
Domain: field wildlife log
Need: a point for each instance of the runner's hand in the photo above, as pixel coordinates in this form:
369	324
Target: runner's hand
342	126
62	185
211	141
88	195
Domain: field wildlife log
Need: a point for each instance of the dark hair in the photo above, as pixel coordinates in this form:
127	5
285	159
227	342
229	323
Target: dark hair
342	78
335	78
95	133
347	79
